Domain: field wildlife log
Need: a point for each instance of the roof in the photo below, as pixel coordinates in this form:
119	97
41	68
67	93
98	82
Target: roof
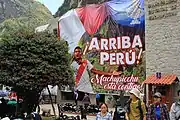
166	79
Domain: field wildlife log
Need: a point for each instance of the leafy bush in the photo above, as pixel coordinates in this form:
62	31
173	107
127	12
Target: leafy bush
29	62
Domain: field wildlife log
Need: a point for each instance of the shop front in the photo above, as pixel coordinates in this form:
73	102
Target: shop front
166	84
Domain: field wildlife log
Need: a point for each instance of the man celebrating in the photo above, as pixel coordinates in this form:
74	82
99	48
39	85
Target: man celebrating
81	70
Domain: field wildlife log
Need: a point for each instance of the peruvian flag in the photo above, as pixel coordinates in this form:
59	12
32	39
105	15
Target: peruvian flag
76	22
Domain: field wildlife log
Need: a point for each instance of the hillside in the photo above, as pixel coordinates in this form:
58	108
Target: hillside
22	13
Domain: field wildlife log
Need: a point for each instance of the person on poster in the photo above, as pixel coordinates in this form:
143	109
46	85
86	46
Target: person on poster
81	70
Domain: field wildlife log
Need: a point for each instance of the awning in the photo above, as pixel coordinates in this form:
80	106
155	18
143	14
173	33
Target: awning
166	79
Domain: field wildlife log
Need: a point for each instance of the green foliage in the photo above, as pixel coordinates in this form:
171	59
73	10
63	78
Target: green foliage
32	61
34	15
64	8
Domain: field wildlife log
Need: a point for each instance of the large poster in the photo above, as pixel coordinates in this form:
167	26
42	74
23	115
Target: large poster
111	45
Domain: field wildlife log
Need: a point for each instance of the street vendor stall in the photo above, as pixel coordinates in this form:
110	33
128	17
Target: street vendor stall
166	84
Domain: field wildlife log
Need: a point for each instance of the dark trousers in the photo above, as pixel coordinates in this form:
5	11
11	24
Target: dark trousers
97	102
83	113
76	102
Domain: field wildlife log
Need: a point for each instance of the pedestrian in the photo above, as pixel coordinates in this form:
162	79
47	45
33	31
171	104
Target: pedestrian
86	102
76	96
3	108
86	99
157	110
104	114
83	113
175	109
135	108
97	99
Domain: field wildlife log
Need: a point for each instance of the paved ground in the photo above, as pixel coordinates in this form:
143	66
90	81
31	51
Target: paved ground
48	106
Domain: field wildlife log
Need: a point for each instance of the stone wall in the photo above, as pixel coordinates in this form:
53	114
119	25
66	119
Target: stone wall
162	36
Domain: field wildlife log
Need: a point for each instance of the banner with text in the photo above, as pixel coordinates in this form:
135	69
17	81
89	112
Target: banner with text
112	38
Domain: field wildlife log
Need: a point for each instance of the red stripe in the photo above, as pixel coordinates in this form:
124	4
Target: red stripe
80	71
92	16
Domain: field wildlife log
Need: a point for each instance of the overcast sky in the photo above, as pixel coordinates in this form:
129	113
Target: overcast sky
53	5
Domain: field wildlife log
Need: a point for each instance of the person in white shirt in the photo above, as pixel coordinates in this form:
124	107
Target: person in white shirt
81	70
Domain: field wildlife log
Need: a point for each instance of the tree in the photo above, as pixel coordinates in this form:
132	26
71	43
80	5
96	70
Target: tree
30	62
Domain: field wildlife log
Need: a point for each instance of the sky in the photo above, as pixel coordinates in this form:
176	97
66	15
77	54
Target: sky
52	5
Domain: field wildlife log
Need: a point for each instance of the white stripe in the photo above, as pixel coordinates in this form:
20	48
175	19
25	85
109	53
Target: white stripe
84	83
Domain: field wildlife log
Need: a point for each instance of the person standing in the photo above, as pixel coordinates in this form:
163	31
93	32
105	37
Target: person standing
175	109
76	96
135	108
104	114
157	110
86	99
3	108
97	99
